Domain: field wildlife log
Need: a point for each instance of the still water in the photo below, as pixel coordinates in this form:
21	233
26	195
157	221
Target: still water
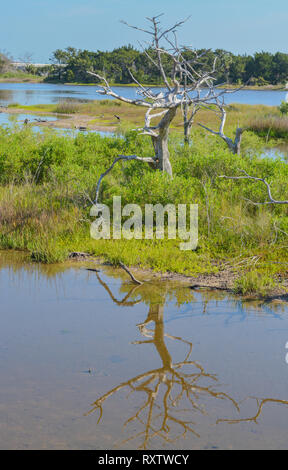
281	151
90	361
18	120
46	93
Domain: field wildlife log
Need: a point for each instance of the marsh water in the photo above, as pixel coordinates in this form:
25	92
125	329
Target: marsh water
89	360
47	93
18	119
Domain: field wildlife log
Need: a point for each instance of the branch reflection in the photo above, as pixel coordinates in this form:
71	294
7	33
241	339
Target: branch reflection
177	390
167	389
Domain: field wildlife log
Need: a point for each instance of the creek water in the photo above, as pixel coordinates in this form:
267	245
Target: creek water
12	119
46	93
281	151
90	361
17	119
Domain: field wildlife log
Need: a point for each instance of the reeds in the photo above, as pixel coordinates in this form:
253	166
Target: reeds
68	107
270	126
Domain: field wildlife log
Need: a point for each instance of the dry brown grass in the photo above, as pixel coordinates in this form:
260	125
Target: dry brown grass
270	126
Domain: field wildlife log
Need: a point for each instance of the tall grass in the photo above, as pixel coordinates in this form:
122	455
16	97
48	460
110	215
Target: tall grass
270	126
68	107
13	105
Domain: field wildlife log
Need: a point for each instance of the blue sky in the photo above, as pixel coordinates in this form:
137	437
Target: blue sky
41	26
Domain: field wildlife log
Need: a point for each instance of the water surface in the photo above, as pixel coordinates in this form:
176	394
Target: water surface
90	361
18	119
46	93
281	151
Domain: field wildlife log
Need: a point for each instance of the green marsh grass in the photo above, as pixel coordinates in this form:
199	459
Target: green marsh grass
48	215
254	282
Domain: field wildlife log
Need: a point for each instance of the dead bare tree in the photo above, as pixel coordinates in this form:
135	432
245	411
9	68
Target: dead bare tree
233	145
162	106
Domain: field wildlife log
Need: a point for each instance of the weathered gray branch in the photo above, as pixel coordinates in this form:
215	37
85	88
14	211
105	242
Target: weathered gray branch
123	266
234	145
262	180
107	90
121	157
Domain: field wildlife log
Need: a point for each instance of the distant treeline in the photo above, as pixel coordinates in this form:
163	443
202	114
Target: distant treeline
71	65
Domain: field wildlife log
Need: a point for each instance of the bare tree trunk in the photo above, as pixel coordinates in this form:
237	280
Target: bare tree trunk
162	154
238	140
160	142
188	120
186	124
235	145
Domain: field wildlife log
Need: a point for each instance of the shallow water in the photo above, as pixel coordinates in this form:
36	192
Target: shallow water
46	93
19	118
90	361
9	120
281	151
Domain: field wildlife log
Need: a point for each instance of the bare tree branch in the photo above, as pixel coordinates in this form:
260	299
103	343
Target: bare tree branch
234	145
121	157
262	180
130	274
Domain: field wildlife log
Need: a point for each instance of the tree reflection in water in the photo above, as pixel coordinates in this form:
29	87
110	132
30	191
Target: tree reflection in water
173	396
170	388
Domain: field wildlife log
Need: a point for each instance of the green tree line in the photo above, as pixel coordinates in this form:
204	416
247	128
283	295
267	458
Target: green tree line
71	65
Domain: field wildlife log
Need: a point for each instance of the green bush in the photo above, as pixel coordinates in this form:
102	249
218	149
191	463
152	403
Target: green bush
283	108
48	180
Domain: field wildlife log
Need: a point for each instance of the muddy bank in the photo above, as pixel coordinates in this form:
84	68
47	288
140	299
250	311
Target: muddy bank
224	280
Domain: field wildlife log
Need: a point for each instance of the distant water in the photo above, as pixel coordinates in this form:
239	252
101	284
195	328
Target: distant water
46	93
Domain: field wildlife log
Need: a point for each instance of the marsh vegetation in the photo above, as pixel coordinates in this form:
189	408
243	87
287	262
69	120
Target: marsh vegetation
48	183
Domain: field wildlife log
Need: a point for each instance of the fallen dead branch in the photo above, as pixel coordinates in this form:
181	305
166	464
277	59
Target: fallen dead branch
262	180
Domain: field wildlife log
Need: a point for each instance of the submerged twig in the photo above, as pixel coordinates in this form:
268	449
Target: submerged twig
130	274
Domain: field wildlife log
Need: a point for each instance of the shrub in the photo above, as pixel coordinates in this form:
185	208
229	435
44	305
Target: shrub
283	108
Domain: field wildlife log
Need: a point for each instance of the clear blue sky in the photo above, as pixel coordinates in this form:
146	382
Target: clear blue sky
41	26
